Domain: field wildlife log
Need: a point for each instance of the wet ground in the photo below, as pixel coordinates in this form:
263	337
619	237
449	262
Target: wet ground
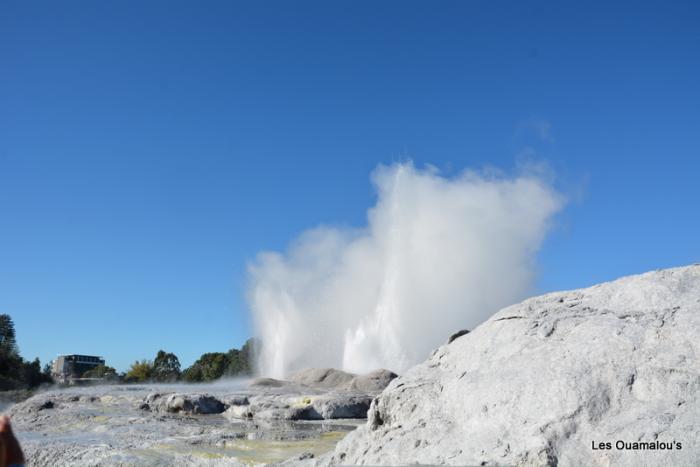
105	426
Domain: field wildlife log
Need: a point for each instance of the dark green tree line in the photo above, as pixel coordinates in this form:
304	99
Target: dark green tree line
214	365
15	372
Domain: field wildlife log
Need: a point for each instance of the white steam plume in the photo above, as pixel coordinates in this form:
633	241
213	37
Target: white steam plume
438	255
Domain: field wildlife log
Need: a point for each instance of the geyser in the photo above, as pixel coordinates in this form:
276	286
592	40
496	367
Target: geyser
438	254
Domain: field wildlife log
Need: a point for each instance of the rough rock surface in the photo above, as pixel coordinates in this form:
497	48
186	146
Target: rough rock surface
185	403
332	406
541	382
322	377
374	381
330	378
109	426
312	394
223	423
302	406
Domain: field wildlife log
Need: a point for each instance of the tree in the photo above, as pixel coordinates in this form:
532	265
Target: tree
235	363
193	374
101	371
214	365
31	374
210	366
249	354
140	371
8	344
10	361
15	372
166	367
241	361
10	364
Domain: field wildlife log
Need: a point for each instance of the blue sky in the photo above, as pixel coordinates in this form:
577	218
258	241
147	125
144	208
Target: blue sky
148	150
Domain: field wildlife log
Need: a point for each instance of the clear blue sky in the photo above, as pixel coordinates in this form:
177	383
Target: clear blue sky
148	149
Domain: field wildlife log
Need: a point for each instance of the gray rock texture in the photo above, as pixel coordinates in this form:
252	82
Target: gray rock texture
302	406
339	405
312	394
186	403
374	381
545	381
224	423
109	426
322	377
330	378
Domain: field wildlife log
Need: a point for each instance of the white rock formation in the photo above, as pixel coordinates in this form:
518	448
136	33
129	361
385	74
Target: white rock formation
374	381
177	425
322	377
546	381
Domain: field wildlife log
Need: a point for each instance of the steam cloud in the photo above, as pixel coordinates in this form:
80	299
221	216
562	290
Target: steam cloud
438	255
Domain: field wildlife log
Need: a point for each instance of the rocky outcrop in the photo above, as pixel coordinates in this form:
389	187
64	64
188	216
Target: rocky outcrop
325	406
330	378
322	377
311	394
603	376
334	406
186	403
108	426
372	382
41	402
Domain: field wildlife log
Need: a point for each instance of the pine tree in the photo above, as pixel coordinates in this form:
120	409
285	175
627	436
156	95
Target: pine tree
8	344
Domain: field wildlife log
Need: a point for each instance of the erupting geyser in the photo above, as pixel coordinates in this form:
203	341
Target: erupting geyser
438	254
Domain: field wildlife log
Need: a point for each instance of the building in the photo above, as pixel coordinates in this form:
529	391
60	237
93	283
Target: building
68	368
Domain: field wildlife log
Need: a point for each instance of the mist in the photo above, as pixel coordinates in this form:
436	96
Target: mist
438	254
